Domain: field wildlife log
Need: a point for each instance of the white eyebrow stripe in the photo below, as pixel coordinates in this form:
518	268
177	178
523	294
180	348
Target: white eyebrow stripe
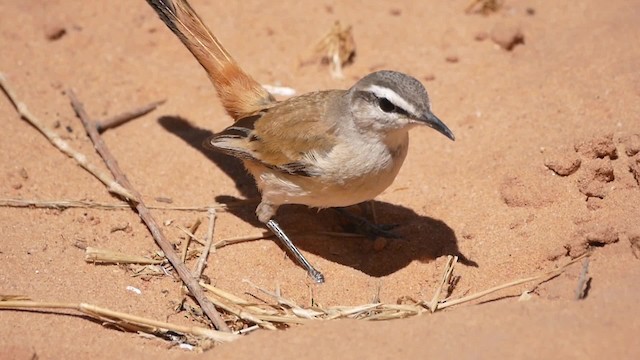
397	100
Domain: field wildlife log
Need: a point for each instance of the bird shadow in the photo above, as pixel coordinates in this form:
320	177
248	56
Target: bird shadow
421	238
195	137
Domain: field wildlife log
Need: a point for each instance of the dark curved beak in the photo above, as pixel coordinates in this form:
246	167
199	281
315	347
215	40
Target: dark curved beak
433	122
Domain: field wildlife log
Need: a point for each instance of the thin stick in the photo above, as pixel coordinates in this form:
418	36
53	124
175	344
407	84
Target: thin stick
240	239
127	116
236	299
185	251
116	317
190	235
145	215
192	230
62	145
244	315
202	260
65	204
448	271
448	303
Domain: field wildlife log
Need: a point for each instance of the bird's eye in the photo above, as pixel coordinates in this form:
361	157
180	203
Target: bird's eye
386	105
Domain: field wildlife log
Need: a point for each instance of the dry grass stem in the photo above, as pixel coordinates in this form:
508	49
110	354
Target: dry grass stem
124	320
240	239
58	142
66	204
446	277
202	260
248	306
105	256
190	236
249	329
552	273
190	233
242	314
9	297
285	311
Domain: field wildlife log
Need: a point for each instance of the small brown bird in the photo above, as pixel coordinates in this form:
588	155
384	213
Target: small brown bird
323	149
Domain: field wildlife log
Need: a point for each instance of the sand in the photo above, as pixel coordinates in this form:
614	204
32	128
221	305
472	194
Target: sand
543	97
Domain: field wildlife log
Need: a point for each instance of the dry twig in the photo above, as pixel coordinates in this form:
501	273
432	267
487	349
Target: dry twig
446	277
202	260
127	116
145	215
190	235
56	140
66	204
551	273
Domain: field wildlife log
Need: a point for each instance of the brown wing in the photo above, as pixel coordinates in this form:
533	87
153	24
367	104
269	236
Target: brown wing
286	137
239	92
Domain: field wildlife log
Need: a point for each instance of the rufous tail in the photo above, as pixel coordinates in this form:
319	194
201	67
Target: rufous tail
240	94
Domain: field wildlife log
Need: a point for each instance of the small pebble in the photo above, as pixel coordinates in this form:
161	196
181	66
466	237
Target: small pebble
507	36
55	32
165	200
23	173
481	36
379	244
452	59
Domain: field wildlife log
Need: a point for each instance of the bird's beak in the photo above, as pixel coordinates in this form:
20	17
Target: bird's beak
433	122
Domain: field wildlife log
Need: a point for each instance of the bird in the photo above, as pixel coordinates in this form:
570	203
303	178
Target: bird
323	149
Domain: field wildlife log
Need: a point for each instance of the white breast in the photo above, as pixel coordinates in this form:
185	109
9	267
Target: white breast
357	170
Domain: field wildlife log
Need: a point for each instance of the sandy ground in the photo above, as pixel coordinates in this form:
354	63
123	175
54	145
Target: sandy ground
545	167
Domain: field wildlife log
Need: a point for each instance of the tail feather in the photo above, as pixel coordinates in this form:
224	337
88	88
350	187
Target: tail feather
240	94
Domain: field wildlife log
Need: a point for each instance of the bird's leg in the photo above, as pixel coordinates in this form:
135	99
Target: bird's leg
315	274
367	228
265	211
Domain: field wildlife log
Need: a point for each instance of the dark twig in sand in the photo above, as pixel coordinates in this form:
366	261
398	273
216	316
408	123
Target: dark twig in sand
583	281
118	120
145	215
